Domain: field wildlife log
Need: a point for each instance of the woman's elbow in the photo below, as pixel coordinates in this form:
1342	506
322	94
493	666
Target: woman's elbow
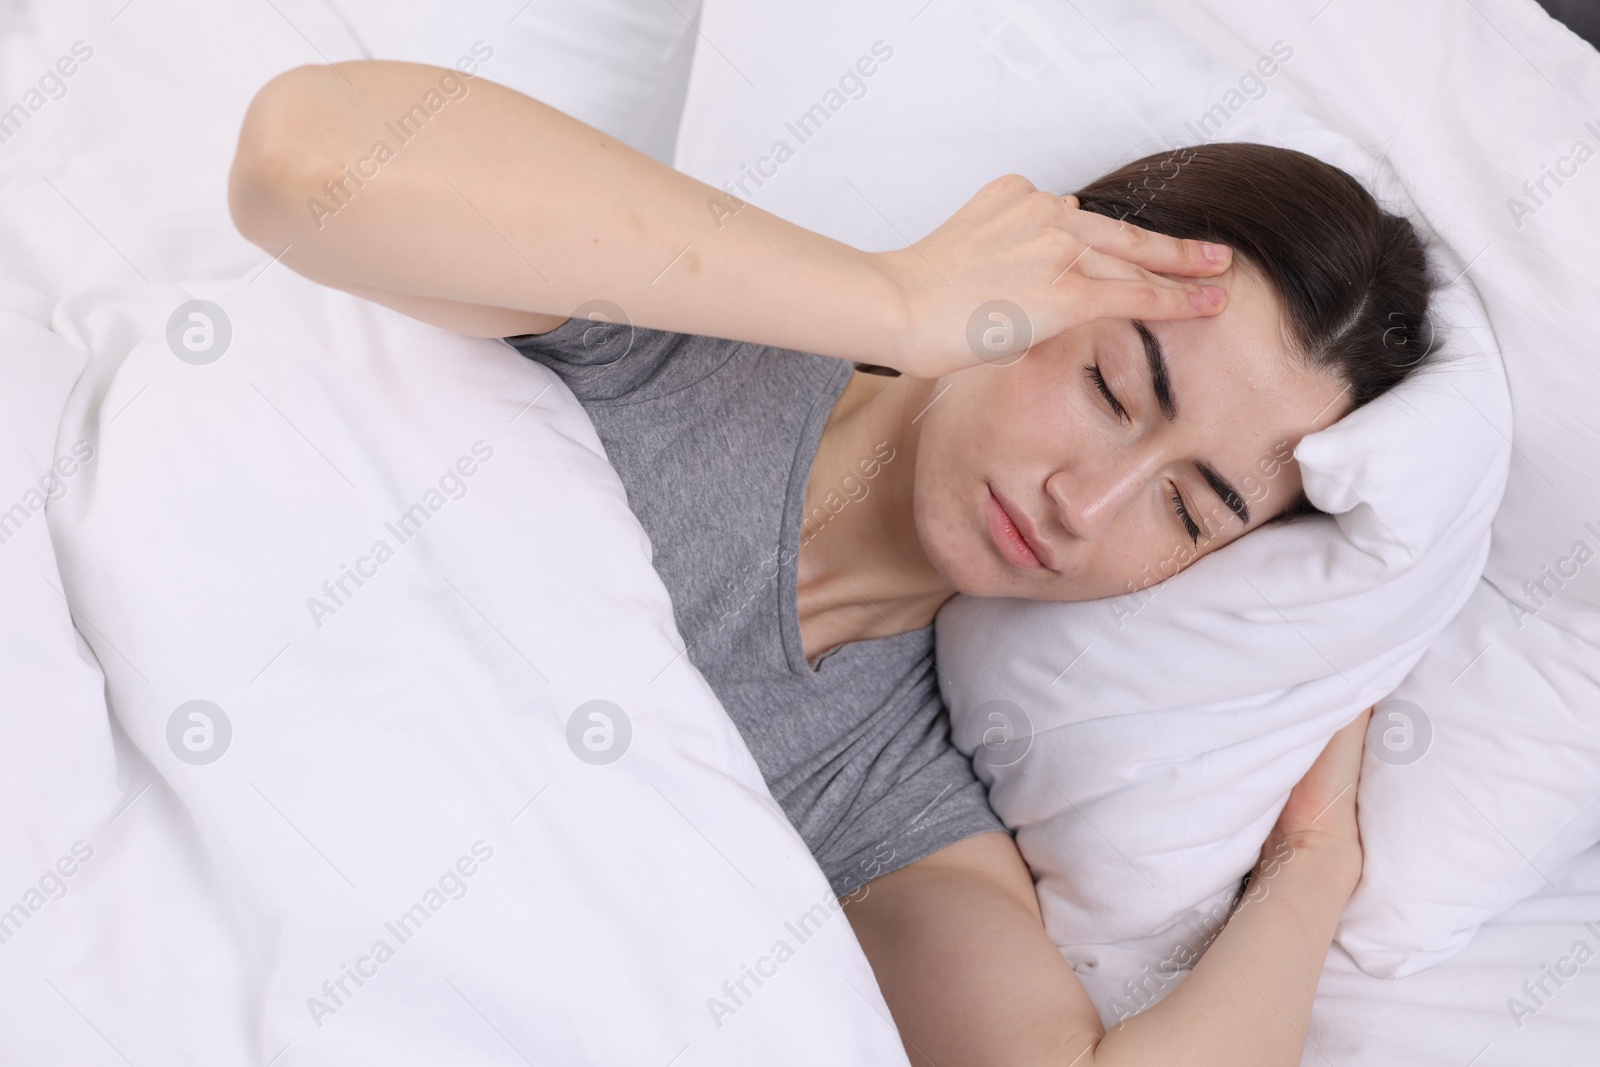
281	141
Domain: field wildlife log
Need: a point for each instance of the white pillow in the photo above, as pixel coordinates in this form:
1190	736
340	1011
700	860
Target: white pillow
388	729
622	66
1489	784
1512	780
98	193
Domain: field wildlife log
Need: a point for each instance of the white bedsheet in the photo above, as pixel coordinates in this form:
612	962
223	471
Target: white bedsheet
1477	1008
1461	1012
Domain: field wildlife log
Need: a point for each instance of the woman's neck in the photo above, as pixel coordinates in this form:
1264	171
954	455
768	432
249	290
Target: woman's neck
863	572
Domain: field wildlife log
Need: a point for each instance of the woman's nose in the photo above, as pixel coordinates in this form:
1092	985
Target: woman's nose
1089	496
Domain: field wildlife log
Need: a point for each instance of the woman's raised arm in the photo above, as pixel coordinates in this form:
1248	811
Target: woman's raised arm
466	203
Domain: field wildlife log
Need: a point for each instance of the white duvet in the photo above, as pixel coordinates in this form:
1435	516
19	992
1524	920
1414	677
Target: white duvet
414	769
367	736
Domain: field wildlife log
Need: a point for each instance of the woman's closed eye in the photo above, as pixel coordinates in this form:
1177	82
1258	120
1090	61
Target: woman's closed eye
1093	371
1179	508
1189	525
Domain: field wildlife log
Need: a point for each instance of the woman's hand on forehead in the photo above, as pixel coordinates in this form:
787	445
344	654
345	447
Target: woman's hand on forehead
1017	265
1154	252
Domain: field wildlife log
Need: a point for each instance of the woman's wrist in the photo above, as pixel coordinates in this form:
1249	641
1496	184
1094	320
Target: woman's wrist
889	325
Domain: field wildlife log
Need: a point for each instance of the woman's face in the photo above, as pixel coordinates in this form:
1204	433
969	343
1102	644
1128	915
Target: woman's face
1030	483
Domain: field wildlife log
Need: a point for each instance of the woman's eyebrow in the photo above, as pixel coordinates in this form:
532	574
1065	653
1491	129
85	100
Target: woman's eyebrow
1160	381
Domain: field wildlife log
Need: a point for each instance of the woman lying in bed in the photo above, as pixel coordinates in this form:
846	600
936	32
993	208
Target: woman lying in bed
809	518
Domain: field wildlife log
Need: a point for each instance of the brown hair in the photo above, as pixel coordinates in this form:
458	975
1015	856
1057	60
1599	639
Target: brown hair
1353	277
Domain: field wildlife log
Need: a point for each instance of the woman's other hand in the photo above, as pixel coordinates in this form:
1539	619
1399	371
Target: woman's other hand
1014	248
1321	811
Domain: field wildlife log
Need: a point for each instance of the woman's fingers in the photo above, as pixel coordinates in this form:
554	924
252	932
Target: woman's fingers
1352	736
1340	761
1324	801
1153	301
1153	251
1111	287
1015	244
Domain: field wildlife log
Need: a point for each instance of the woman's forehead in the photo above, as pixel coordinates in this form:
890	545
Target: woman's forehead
1243	396
1237	375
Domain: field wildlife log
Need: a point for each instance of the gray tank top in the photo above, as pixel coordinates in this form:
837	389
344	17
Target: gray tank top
714	441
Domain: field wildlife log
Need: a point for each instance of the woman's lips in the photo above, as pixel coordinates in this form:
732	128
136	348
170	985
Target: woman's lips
1008	537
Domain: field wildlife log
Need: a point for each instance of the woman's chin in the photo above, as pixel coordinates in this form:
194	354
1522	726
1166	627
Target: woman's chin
980	571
